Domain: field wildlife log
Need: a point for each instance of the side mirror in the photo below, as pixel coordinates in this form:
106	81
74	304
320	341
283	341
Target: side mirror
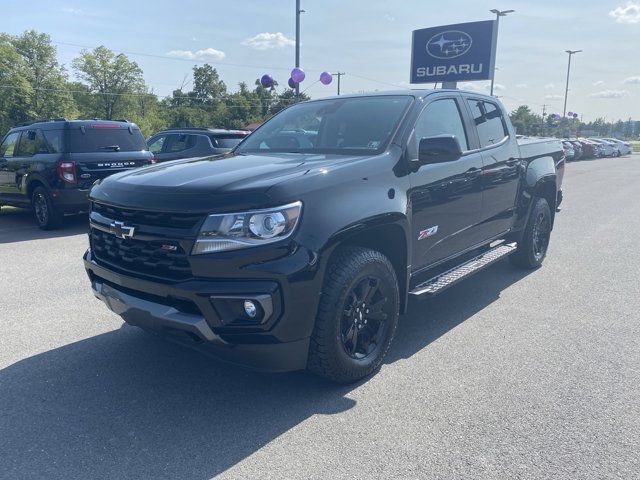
440	149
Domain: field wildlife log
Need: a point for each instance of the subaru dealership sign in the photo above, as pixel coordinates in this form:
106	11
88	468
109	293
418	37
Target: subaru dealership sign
465	51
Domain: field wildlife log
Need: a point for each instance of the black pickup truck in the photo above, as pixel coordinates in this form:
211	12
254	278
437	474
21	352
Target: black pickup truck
301	247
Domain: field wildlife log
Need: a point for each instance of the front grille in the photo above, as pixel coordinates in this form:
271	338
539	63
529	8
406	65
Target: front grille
141	257
141	217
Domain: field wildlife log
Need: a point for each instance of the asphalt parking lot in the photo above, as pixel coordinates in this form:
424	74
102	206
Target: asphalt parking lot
507	375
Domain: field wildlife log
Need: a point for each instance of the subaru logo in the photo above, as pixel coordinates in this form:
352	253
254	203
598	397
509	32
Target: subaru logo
449	44
120	230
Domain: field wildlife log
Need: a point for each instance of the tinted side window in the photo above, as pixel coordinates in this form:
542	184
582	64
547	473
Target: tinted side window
155	145
8	147
441	117
489	122
54	139
32	142
181	142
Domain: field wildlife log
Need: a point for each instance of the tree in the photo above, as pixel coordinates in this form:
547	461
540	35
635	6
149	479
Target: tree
525	121
208	89
48	96
15	86
113	78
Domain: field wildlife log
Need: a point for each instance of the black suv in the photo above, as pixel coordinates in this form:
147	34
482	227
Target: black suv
175	143
50	165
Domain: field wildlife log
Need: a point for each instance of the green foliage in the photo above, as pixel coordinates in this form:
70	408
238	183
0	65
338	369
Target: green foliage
113	77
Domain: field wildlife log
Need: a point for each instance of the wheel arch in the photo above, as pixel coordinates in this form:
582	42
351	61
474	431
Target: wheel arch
388	238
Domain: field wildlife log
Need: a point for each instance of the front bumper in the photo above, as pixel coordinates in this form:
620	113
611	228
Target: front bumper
184	313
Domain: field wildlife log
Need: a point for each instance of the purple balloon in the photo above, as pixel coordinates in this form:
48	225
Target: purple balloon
291	83
326	78
266	81
570	114
297	75
575	115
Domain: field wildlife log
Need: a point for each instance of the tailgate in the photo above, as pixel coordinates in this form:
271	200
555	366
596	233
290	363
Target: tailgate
94	166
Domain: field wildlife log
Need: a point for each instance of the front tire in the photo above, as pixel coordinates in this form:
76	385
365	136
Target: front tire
47	216
357	316
532	248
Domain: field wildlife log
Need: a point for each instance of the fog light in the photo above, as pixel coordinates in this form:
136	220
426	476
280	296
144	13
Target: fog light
250	308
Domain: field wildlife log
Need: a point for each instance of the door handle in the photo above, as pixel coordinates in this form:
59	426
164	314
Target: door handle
473	173
511	162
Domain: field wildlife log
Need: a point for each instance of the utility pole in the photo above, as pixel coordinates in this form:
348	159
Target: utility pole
566	90
298	12
544	114
339	74
499	14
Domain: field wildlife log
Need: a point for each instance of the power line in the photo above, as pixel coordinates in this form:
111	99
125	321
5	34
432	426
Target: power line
215	62
185	97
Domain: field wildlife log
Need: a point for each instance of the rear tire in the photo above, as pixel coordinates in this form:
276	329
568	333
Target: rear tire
47	216
357	316
532	248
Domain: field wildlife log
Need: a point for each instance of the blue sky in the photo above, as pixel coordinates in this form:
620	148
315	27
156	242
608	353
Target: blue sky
369	40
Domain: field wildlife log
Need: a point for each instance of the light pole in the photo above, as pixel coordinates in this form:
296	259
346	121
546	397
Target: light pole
499	13
339	74
298	12
566	90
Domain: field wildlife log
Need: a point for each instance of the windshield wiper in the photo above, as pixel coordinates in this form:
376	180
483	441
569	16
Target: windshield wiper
115	148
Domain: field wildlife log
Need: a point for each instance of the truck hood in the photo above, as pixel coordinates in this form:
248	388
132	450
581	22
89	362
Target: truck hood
210	183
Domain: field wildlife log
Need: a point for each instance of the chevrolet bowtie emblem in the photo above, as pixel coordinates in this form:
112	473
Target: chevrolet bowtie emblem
120	230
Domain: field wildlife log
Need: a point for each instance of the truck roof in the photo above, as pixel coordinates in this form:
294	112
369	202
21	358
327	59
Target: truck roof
414	92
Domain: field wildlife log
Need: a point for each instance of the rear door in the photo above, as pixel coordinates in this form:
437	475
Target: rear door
30	156
102	149
184	145
446	198
500	166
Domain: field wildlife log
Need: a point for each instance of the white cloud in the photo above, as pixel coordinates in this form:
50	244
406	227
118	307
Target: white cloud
473	86
610	94
496	87
632	80
549	86
628	13
266	40
204	54
389	17
71	10
522	85
553	97
598	83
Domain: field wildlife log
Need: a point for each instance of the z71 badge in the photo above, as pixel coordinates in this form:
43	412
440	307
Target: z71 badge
428	232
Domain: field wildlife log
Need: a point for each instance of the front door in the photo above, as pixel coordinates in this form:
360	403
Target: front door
8	154
446	198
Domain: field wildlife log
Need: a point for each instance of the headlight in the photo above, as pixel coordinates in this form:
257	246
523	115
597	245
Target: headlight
231	231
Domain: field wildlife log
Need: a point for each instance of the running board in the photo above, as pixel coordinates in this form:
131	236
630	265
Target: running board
441	282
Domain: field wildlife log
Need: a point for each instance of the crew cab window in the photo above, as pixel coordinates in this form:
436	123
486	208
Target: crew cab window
441	117
155	145
8	147
31	142
489	122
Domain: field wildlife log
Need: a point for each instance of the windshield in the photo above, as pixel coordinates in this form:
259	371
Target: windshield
360	126
228	141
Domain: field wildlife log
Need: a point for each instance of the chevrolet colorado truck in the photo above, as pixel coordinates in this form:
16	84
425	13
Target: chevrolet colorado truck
301	247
